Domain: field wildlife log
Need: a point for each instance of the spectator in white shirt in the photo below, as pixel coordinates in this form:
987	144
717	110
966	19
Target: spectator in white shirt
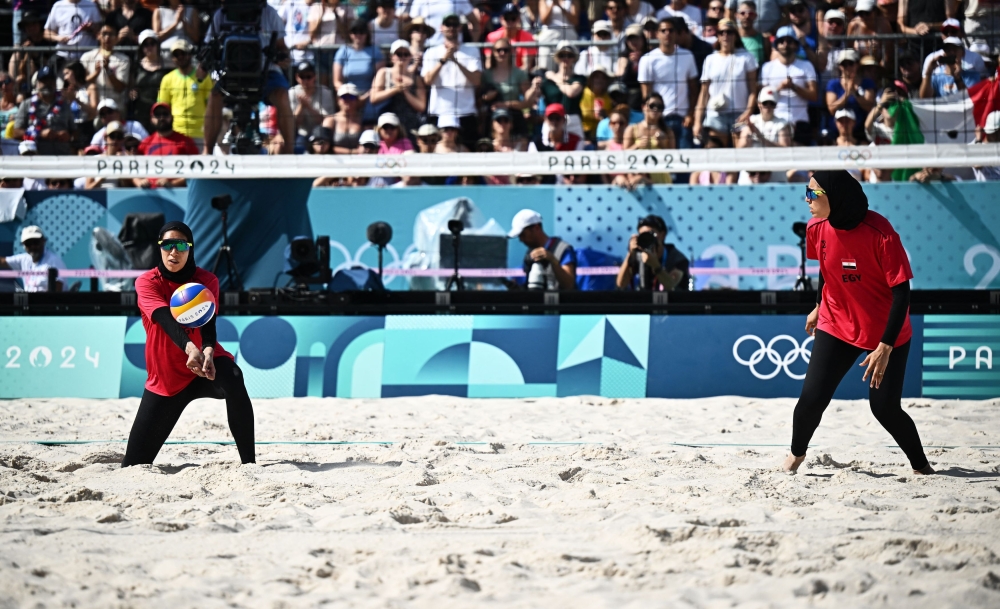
435	11
109	112
763	130
73	23
295	14
598	56
728	86
36	258
107	70
671	71
794	83
453	71
681	8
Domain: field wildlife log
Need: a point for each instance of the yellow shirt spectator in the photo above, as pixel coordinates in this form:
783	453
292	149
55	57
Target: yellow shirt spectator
188	98
593	108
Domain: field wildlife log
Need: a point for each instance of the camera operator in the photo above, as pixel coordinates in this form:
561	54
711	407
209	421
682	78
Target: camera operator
275	91
550	263
665	268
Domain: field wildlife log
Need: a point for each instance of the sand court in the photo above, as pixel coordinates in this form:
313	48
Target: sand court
448	502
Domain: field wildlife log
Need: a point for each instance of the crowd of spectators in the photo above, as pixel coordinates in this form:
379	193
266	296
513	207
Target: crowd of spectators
389	77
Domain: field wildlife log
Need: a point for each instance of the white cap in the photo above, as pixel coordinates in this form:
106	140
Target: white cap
114	126
399	44
146	35
766	95
448	120
107	102
847	55
348	88
522	220
834	14
367	137
992	122
954	41
601	25
180	44
865	5
955	23
388	118
27	146
566	45
982	48
31	232
427	130
845	113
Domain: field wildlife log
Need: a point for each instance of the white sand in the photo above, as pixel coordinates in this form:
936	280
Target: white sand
631	520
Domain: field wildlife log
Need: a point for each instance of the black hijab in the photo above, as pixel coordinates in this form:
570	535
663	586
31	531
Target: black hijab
185	274
848	202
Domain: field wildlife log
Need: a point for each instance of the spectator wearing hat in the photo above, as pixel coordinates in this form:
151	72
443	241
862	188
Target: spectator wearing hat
130	19
417	33
356	63
166	142
850	91
793	81
320	141
565	87
598	56
346	123
450	130
427	138
555	136
149	73
506	86
393	138
768	13
764	129
990	135
557	20
453	71
833	26
947	74
671	72
510	30
108	71
434	12
175	21
45	117
37	257
595	103
952	29
28	148
868	21
627	70
187	90
846	120
400	88
73	23
728	87
108	112
549	260
311	102
29	33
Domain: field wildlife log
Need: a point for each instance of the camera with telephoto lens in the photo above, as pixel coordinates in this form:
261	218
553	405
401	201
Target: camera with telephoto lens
239	64
646	241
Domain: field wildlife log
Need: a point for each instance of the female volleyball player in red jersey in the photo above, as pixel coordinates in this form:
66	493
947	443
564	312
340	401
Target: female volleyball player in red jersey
183	364
863	303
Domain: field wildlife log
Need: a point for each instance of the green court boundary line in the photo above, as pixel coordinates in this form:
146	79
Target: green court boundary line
390	443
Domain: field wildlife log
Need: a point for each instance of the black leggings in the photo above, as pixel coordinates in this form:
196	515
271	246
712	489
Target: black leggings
158	414
831	360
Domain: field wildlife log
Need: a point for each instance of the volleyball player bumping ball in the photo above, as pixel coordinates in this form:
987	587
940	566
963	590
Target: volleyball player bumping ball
184	361
863	303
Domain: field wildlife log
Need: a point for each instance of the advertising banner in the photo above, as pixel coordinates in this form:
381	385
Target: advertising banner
61	356
958	356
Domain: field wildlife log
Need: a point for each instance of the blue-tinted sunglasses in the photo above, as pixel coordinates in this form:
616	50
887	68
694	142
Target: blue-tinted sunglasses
812	195
176	244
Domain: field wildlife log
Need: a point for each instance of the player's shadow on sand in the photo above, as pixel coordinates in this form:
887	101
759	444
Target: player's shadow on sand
311	466
173	469
964	472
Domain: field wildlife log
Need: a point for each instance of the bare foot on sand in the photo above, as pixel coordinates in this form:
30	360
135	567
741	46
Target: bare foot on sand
926	471
792	463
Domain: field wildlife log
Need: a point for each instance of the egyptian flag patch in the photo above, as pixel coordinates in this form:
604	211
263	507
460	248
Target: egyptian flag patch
849	265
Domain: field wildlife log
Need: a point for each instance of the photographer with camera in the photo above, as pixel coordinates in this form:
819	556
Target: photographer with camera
550	263
652	264
948	73
269	27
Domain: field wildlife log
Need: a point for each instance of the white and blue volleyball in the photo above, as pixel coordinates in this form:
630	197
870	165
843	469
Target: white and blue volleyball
193	305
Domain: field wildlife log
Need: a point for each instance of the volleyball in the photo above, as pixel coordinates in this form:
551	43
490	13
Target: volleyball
193	305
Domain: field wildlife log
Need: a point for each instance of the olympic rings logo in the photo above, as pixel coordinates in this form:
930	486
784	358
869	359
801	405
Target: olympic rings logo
858	156
388	162
780	362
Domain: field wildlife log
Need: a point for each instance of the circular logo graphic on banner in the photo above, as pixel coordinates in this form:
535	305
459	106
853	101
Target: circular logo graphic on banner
781	362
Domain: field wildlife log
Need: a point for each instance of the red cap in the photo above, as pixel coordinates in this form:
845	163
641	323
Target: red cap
159	105
555	109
